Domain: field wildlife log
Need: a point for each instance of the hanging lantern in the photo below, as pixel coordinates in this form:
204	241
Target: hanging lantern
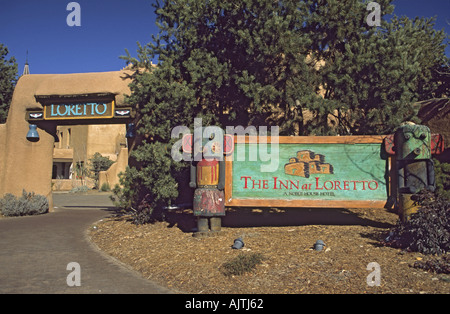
131	132
33	134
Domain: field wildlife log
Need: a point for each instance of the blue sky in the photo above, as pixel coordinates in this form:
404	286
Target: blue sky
108	27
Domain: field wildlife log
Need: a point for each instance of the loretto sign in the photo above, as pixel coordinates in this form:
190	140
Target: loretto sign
325	171
79	110
88	110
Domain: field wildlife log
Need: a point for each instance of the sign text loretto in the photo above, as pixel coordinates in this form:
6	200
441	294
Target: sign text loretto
81	110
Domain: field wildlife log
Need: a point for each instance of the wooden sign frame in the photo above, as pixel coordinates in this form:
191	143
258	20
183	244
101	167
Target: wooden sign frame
232	200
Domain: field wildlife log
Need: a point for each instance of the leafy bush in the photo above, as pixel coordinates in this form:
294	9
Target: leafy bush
143	213
442	170
122	200
105	187
36	204
241	264
145	205
119	198
439	265
99	163
428	230
79	189
27	204
10	205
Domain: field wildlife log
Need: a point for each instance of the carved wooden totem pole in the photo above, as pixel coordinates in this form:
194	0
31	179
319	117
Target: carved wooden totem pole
413	146
207	176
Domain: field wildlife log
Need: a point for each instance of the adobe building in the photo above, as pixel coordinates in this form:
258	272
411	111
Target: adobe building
77	144
57	120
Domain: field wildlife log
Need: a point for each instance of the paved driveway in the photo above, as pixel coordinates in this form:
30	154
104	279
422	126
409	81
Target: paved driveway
36	250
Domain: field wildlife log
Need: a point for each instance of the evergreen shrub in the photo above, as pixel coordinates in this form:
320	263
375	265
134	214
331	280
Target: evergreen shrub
242	264
105	187
27	204
98	163
428	230
79	189
439	265
442	170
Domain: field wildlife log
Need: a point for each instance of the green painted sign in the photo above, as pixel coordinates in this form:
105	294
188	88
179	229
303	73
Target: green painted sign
312	174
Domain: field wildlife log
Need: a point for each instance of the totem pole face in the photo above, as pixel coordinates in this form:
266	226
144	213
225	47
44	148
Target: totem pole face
413	142
212	143
206	143
208	146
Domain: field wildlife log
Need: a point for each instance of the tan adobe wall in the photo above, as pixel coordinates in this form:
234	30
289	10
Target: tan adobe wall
110	176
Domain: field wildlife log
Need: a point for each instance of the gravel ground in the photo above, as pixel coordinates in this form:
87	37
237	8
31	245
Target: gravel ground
167	253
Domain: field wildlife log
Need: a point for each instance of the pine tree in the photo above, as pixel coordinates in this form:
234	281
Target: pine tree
8	80
373	75
229	63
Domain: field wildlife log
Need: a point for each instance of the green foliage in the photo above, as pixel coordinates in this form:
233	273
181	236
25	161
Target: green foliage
81	171
372	76
11	206
149	186
242	264
105	187
428	230
98	163
442	171
27	204
8	80
140	213
120	198
79	189
309	67
439	265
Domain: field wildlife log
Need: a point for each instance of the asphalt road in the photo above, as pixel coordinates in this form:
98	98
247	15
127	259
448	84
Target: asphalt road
35	252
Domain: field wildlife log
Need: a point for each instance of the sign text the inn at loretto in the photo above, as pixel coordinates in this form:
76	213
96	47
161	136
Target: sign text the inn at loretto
326	171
